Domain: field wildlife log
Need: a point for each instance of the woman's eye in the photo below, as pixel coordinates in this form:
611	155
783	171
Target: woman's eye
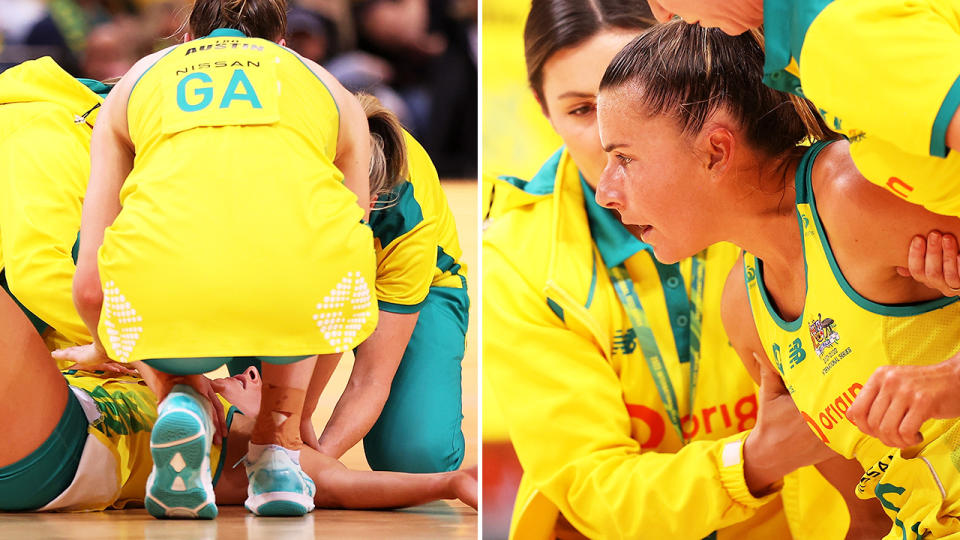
623	159
581	111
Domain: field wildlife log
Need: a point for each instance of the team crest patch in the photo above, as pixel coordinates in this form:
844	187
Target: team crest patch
823	334
825	339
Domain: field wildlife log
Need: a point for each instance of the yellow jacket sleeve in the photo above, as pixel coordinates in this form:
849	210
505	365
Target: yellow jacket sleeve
563	405
40	217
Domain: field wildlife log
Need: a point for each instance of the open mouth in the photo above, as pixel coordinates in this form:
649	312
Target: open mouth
241	379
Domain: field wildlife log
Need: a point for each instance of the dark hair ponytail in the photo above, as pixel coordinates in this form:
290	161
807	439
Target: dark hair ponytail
557	24
688	72
265	19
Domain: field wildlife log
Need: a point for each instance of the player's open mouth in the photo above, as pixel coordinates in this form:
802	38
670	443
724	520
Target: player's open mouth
241	379
645	229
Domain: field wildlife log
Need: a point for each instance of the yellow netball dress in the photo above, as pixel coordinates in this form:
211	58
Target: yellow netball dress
237	235
885	73
826	356
115	462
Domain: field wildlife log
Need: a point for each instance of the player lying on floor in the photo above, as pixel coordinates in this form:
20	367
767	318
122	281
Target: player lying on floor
81	441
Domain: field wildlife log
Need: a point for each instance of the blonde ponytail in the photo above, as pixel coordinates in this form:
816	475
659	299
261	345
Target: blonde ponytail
388	151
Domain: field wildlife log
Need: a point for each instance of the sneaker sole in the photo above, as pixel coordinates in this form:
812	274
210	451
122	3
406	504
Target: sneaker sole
279	504
180	485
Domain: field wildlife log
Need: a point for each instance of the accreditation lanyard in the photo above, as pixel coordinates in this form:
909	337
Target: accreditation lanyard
623	284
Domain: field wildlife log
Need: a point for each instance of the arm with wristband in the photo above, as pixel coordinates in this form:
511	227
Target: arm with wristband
566	416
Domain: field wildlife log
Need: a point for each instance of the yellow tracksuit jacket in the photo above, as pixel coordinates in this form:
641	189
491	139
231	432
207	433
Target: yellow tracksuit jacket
581	407
44	112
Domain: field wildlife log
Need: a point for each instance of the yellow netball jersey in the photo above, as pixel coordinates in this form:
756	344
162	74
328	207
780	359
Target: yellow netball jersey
415	237
828	354
116	458
894	103
237	235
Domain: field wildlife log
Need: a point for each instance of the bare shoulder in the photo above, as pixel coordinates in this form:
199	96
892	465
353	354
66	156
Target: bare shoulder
869	228
328	79
130	78
738	320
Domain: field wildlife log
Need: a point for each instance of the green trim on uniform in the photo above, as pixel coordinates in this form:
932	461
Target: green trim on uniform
805	195
678	306
938	137
48	471
785	25
225	32
401	217
391	307
515	182
806	162
555	307
196	366
75	251
446	263
789	326
544	182
37	322
223	447
96	87
616	244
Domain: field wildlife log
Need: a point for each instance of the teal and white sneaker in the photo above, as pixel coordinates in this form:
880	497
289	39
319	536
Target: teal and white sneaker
277	485
181	484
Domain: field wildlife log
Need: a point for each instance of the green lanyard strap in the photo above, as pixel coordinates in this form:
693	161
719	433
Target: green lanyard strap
623	284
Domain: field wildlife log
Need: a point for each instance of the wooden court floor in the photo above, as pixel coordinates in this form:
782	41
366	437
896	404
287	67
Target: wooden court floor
437	520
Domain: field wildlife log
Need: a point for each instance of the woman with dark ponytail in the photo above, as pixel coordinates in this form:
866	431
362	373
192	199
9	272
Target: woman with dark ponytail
700	151
223	219
894	91
612	371
404	393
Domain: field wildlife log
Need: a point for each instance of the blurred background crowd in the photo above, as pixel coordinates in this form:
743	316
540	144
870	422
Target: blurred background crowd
418	56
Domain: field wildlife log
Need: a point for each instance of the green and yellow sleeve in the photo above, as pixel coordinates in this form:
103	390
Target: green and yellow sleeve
406	246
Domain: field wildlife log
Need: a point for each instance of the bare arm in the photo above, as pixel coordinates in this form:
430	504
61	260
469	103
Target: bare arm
870	229
323	369
369	386
780	426
111	160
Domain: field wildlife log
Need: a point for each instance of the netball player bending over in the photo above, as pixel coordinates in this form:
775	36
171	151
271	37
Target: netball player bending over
229	180
817	292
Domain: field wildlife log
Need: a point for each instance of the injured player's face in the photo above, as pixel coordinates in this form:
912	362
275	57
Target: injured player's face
242	390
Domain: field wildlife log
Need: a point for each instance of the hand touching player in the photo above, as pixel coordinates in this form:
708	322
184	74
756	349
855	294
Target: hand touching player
779	427
897	399
161	383
935	262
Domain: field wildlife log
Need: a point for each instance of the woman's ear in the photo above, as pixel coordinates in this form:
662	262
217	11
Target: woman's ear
717	144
